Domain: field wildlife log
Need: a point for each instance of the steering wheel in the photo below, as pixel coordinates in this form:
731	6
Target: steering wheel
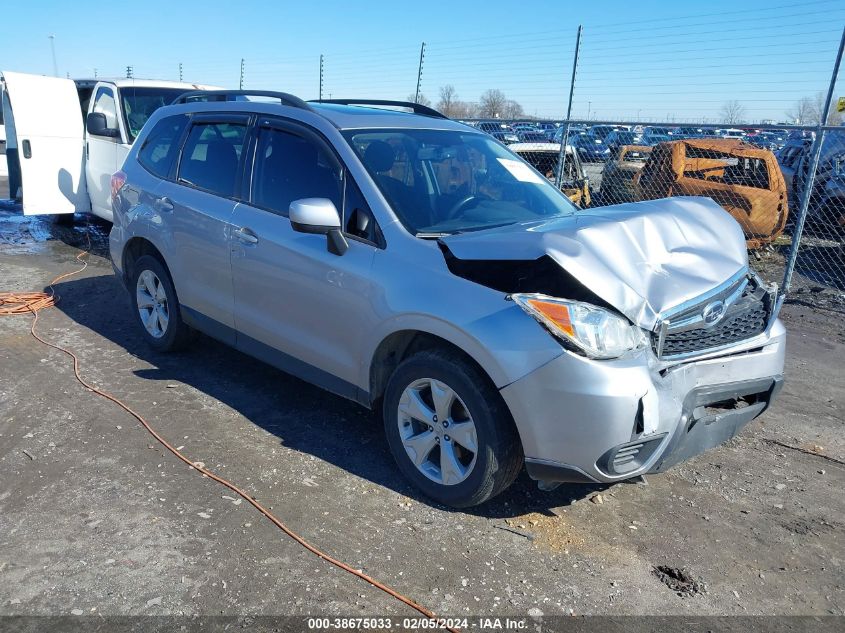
460	205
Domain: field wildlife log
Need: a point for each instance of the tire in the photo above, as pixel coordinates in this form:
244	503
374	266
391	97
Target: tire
470	478
64	219
168	334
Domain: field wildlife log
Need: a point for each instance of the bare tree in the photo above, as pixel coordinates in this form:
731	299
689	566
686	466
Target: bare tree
802	112
448	100
809	110
492	103
422	99
464	110
512	110
732	112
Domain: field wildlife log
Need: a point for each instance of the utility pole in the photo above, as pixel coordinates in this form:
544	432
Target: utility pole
320	98
180	71
52	39
95	73
564	139
129	70
241	82
419	73
589	105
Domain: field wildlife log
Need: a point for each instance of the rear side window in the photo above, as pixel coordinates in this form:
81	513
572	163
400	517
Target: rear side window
162	145
211	157
289	167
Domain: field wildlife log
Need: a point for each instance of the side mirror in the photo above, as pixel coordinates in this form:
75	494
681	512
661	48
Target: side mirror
96	124
319	216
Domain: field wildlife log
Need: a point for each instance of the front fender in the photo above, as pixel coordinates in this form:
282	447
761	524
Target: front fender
417	292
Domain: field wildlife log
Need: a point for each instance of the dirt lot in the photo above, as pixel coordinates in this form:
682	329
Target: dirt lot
96	518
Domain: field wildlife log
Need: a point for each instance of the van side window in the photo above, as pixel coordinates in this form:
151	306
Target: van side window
104	103
162	145
289	167
211	157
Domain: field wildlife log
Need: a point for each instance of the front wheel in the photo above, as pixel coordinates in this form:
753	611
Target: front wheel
449	430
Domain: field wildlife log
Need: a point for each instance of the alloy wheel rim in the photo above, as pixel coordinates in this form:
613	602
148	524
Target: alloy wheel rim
437	431
152	304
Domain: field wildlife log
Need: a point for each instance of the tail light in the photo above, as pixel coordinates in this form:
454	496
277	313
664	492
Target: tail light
118	179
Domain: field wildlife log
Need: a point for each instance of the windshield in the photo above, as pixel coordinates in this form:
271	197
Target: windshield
448	181
625	138
140	103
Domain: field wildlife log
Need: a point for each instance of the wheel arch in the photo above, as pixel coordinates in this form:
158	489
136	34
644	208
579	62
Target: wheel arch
404	343
135	248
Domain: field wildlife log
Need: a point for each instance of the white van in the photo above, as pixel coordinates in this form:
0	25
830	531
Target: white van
66	137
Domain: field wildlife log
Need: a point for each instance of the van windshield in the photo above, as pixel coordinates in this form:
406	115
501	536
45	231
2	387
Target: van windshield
448	181
140	103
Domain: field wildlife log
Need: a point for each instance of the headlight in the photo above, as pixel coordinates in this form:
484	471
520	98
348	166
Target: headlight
597	332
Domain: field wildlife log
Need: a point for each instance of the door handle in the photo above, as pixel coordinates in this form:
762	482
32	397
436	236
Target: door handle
246	235
164	204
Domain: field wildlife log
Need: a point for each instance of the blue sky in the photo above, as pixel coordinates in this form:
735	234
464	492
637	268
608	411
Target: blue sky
644	59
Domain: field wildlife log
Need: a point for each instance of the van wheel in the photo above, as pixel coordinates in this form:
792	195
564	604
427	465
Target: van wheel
156	307
64	219
449	430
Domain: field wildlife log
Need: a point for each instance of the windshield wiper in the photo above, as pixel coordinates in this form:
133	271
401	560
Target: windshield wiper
483	227
430	236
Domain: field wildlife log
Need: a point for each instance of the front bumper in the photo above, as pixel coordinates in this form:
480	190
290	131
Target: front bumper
583	420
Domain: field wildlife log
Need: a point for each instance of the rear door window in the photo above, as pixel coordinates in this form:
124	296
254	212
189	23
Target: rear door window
211	157
161	146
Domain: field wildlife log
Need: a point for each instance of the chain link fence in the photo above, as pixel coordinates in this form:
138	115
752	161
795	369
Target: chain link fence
817	275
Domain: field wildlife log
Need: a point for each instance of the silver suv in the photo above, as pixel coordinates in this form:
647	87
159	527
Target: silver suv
417	266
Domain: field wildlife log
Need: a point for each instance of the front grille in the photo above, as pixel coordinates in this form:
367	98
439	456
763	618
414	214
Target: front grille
745	319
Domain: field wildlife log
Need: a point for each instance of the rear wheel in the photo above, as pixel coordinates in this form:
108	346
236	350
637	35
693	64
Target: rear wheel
449	430
156	306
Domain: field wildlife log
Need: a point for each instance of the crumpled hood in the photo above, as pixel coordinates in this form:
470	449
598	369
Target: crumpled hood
642	257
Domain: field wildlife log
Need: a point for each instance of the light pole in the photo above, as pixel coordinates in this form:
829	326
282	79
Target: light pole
52	39
589	105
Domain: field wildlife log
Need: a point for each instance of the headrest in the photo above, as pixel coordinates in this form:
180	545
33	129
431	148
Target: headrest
379	156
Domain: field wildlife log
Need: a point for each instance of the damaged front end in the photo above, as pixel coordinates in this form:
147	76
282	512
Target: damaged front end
692	347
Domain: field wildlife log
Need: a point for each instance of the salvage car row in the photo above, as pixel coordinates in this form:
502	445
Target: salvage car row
608	136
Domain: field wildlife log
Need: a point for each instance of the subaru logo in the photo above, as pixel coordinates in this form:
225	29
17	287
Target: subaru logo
713	312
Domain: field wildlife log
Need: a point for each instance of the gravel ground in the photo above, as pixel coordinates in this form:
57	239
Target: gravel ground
96	518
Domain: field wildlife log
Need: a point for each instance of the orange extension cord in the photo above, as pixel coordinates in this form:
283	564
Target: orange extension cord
18	303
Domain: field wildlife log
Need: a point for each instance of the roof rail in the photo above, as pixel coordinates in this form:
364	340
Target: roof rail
231	95
416	108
